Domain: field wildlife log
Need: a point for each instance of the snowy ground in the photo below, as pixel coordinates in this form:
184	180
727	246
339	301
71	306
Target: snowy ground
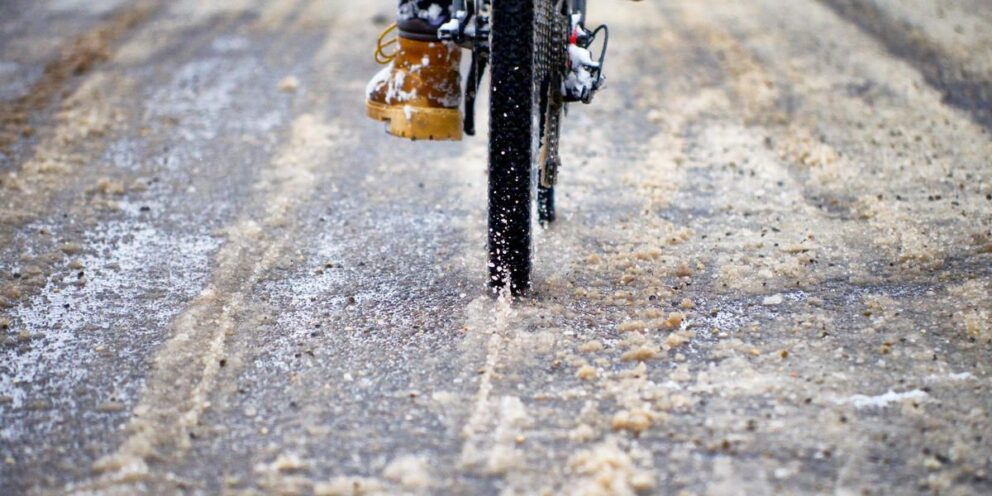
772	272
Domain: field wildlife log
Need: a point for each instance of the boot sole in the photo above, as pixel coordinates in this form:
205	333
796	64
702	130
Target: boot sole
418	123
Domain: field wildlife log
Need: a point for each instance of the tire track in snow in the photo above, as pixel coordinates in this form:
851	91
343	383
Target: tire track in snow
186	367
757	106
794	58
76	58
53	165
266	357
489	425
63	164
490	321
822	167
948	72
59	345
490	327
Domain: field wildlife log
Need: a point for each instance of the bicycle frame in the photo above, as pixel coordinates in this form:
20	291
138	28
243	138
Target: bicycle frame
580	7
469	28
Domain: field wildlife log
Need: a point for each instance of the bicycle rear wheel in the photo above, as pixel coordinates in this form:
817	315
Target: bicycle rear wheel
520	34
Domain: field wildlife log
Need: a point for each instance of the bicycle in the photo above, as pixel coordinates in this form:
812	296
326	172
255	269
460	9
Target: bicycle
539	59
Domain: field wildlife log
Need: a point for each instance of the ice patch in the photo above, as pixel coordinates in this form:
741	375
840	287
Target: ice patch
772	300
963	376
201	95
90	7
228	44
15	79
12	68
883	400
68	321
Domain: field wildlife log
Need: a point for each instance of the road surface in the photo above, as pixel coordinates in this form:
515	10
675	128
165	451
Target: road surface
771	274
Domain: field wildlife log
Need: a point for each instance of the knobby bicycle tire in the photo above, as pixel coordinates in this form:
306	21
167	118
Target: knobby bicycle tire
520	47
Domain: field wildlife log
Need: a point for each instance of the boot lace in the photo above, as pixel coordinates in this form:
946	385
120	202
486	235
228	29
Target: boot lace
381	56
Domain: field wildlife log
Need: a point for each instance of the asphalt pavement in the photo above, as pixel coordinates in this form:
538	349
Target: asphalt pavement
772	270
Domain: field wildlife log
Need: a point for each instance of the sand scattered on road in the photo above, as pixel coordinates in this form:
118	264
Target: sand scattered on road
289	84
349	486
606	470
411	472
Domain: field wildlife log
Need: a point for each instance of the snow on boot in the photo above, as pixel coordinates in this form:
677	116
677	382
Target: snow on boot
418	94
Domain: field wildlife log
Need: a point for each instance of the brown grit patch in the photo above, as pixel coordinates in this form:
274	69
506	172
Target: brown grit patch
76	58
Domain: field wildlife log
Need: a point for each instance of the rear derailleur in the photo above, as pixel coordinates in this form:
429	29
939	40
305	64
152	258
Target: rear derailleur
585	74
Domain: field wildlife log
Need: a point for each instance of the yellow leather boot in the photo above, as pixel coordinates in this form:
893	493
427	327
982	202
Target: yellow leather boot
418	94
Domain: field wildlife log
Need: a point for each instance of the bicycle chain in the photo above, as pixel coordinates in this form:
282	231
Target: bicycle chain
550	44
